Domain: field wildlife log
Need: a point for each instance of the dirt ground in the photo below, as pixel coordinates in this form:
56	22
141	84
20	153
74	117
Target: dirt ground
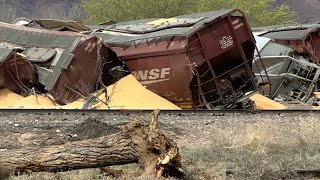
213	145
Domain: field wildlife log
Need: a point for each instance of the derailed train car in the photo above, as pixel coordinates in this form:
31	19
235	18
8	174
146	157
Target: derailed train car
305	39
66	64
293	77
197	61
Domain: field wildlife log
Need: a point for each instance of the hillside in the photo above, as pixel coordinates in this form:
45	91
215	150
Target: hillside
29	8
307	10
61	9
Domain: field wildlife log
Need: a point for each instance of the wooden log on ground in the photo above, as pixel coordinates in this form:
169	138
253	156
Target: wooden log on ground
137	143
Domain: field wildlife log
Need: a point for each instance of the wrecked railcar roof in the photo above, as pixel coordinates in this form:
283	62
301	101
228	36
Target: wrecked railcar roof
52	24
26	36
4	53
304	38
286	31
291	33
136	30
60	25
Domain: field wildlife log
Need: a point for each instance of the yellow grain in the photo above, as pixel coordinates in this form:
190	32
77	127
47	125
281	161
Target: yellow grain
36	102
78	104
8	98
128	93
316	95
262	102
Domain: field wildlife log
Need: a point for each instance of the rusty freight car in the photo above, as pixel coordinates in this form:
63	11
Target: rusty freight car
305	39
197	61
66	64
292	76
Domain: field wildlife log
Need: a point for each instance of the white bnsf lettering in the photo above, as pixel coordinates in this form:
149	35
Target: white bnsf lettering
152	76
237	24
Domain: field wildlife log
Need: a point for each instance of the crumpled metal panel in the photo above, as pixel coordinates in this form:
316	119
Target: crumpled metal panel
52	24
181	26
292	77
290	34
34	54
68	64
156	25
16	72
4	53
25	37
305	39
79	77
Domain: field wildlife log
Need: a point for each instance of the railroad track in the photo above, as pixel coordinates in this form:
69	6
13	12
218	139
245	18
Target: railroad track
190	112
63	117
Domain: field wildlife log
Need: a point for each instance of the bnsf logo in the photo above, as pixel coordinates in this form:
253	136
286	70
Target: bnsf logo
152	76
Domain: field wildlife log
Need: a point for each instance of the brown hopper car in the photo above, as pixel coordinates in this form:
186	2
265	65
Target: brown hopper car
196	61
305	39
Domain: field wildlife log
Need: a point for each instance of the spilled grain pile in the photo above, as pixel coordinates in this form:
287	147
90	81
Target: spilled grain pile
264	103
36	102
8	98
128	93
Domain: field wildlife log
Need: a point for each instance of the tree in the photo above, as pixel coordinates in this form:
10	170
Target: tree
124	10
259	12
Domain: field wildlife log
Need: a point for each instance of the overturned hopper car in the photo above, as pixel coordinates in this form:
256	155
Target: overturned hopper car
293	77
196	61
305	39
66	64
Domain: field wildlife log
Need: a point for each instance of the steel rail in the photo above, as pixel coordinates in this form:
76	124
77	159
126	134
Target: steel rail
93	111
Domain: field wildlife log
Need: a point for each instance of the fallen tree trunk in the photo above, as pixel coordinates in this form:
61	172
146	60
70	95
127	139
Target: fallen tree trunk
109	150
137	143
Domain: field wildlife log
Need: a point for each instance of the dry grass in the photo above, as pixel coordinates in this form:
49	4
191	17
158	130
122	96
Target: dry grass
260	150
266	149
4	172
